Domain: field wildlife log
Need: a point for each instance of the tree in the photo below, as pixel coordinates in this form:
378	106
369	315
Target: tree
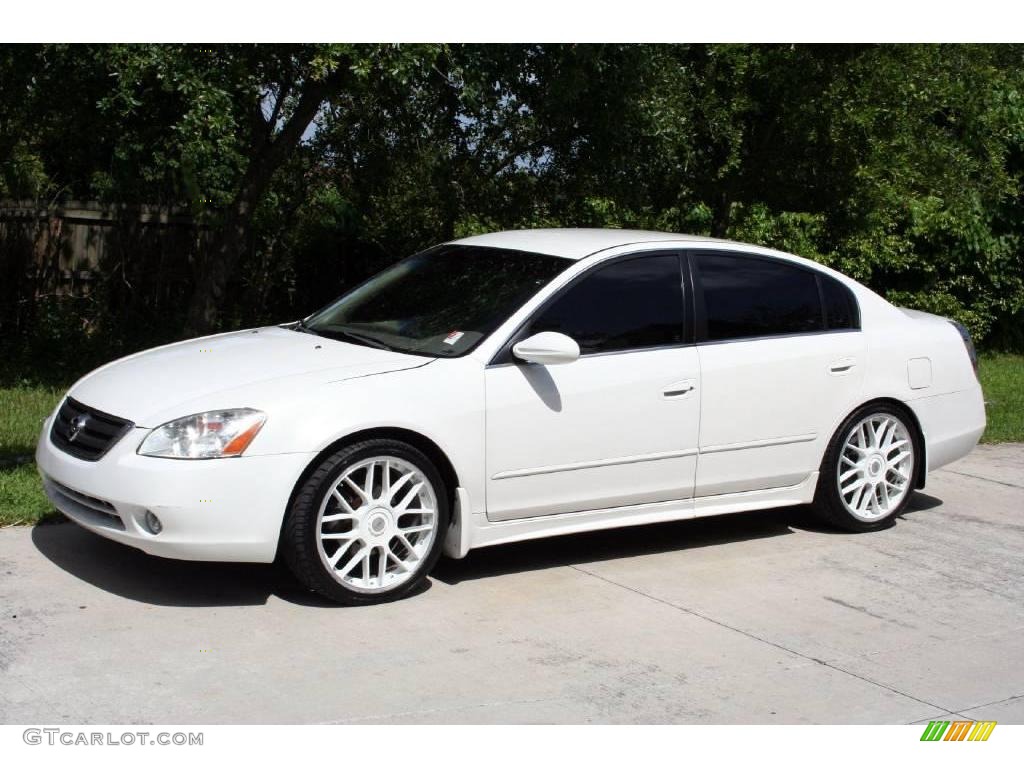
237	113
305	167
279	115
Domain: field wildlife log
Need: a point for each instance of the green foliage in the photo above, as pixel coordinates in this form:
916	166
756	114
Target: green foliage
802	233
901	165
1002	380
22	501
938	132
24	407
21	494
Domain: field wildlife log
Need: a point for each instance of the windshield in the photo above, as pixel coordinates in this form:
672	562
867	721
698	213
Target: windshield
440	302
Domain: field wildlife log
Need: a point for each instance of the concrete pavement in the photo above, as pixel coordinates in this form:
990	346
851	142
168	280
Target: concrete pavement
764	617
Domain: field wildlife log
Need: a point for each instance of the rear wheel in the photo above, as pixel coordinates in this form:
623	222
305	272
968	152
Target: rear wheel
867	475
367	525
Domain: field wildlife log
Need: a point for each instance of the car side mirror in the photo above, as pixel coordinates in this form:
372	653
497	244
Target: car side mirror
547	348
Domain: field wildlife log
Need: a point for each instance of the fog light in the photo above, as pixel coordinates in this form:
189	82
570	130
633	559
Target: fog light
153	523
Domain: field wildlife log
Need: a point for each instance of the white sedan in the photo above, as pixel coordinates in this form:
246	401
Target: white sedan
512	386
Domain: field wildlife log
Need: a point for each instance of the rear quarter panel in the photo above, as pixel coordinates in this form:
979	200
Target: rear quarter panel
920	360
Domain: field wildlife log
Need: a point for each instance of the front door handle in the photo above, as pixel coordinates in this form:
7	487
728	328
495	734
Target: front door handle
679	389
844	365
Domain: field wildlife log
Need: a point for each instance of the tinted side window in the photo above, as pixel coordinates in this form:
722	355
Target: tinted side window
840	305
745	297
626	305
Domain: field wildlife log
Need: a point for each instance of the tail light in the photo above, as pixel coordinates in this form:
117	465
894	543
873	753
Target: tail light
968	344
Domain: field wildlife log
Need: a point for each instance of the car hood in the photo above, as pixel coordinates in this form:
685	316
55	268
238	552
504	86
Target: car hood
146	386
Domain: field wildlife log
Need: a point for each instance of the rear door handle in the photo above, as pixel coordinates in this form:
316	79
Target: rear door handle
844	365
679	389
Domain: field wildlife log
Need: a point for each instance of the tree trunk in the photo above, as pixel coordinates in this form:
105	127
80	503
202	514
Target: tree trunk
720	215
215	268
234	235
447	178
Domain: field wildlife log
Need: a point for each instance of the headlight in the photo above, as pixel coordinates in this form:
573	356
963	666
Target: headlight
210	435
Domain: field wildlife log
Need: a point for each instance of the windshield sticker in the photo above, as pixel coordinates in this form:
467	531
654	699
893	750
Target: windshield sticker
453	337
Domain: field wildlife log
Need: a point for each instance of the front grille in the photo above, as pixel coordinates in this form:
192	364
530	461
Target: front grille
93	510
85	432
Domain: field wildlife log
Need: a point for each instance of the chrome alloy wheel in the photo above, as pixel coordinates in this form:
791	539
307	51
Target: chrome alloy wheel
876	465
376	524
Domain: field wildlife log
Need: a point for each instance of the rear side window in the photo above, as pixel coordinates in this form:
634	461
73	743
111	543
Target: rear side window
630	304
840	306
746	297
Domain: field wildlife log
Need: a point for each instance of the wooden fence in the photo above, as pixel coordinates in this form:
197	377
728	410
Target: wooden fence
137	253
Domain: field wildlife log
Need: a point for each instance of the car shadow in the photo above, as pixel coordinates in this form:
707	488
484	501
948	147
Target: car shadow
920	502
540	379
634	541
134	575
617	543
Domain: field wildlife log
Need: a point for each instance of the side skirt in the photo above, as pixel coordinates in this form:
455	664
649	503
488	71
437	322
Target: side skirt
472	531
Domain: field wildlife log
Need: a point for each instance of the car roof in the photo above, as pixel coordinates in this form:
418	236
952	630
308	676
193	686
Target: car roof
575	243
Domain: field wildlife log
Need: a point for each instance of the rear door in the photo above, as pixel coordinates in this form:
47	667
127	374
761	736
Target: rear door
778	370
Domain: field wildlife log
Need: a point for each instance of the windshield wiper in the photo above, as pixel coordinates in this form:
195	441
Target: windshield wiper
343	334
358	338
301	327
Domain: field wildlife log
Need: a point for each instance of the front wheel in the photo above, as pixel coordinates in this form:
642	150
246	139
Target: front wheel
867	475
367	524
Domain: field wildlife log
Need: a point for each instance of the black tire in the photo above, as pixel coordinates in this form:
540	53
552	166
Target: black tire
828	503
300	540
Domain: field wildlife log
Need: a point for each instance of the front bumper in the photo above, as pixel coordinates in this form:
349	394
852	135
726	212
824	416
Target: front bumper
214	509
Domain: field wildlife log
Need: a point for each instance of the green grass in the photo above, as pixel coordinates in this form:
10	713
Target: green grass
23	408
22	501
1002	380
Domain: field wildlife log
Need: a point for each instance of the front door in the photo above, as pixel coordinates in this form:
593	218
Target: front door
616	427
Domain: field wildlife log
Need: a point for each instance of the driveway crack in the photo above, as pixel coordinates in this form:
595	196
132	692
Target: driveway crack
989	704
764	640
983	479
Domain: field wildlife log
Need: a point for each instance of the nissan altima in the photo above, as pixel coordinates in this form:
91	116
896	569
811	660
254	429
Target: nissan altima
511	386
